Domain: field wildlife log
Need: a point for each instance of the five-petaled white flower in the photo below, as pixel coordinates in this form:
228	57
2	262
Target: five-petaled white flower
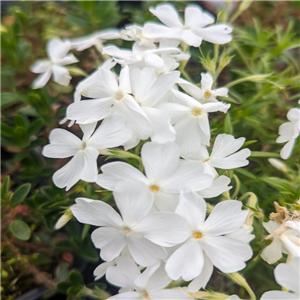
144	233
165	176
191	32
83	165
205	93
208	237
54	66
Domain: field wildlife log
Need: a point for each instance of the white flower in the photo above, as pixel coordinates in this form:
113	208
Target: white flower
165	177
205	93
288	276
190	120
134	33
286	239
208	237
289	132
223	155
144	233
150	284
83	165
192	31
133	98
140	56
57	52
95	39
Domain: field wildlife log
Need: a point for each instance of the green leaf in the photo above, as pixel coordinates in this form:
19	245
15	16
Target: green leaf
85	231
245	173
227	124
76	278
263	154
61	272
20	194
35	127
5	187
20	230
8	99
63	286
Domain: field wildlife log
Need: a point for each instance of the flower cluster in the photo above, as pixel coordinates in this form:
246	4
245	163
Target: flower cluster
162	228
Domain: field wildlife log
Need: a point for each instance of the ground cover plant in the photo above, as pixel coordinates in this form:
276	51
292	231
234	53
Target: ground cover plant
163	134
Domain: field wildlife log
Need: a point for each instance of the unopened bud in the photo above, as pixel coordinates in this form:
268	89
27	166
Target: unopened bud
279	165
64	219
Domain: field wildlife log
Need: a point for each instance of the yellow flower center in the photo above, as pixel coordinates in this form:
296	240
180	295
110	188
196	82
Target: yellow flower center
207	95
197	235
119	95
127	229
196	112
144	294
154	188
83	145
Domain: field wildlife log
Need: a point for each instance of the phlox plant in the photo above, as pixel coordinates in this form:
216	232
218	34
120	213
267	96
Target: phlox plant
172	210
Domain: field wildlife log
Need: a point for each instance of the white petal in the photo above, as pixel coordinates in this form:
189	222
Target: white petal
186	262
227	254
164	228
192	207
134	200
116	172
162	130
226	144
226	217
41	80
221	92
216	34
219	185
144	252
62	144
69	174
270	226
141	81
160	160
69	59
294	115
61	75
40	66
95	212
190	38
287	149
56	48
101	269
87	130
191	89
110	240
153	30
88	111
161	86
195	17
279	295
233	161
124	273
288	276
166	201
111	133
188	135
90	170
285	131
202	280
189	176
134	116
206	81
167	14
